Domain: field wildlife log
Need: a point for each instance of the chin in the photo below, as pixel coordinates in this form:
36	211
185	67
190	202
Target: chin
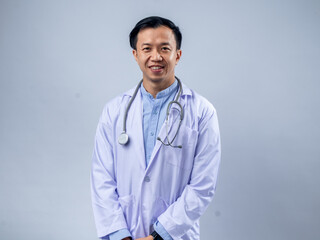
156	79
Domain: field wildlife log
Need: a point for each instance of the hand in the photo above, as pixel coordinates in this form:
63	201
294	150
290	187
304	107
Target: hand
146	238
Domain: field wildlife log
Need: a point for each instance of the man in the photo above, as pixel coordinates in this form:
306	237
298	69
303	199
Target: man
157	184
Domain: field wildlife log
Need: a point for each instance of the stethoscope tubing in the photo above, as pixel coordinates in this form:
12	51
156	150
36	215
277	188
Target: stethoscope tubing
124	126
124	138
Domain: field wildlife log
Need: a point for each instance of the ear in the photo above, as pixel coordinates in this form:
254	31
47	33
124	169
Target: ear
179	52
135	54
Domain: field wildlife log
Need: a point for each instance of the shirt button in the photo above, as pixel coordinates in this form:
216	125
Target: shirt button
147	179
155	110
151	133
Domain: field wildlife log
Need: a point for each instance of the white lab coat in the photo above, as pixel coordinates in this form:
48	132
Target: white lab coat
177	185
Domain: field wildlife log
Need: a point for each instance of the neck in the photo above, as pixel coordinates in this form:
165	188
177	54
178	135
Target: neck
154	87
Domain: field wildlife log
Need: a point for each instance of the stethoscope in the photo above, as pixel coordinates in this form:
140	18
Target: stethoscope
124	138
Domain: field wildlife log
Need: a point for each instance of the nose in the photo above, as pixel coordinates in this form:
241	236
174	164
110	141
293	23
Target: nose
156	56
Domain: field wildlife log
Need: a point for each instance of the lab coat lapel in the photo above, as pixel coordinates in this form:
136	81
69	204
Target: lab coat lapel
135	130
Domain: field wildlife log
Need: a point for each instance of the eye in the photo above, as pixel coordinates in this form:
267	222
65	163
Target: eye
146	49
165	49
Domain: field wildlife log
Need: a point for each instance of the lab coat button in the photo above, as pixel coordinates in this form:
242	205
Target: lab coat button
147	179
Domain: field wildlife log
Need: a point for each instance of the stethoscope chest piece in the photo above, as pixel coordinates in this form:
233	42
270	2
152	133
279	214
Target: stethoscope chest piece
123	138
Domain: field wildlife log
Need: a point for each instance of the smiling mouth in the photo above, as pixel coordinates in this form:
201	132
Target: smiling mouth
156	67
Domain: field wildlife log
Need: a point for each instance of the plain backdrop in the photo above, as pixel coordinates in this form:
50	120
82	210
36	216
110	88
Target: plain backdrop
258	62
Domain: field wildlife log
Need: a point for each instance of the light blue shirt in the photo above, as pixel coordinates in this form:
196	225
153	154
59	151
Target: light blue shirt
154	115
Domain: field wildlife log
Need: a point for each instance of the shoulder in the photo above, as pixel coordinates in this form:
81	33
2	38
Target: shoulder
201	114
113	107
198	103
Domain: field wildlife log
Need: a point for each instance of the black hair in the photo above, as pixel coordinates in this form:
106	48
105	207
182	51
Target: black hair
154	22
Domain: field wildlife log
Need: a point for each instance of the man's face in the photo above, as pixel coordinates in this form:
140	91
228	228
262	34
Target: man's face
157	54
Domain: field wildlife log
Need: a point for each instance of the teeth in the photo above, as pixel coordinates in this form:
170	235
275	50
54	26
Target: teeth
155	68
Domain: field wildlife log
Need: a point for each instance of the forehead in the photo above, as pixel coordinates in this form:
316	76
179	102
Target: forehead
156	36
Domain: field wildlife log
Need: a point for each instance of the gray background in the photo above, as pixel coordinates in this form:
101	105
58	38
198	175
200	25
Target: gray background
256	61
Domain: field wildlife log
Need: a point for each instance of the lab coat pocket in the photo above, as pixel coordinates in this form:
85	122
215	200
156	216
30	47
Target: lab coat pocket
182	157
127	204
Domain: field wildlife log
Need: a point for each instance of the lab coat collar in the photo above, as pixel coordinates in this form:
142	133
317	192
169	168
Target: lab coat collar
185	92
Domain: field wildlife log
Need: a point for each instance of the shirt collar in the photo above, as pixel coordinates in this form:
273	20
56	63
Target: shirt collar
164	93
186	91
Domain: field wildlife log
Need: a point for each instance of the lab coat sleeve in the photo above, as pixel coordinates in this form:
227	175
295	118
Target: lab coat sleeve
196	196
107	211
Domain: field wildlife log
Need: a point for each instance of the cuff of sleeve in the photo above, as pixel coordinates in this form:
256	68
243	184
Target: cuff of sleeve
118	235
161	231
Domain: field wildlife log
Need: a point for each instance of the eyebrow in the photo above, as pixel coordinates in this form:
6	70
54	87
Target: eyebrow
148	44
